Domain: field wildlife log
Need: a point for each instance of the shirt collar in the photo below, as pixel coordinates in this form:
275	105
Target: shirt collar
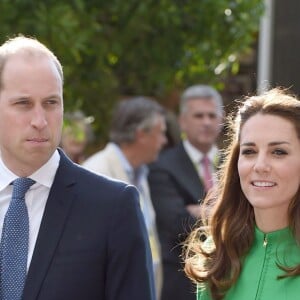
196	155
44	175
133	174
124	161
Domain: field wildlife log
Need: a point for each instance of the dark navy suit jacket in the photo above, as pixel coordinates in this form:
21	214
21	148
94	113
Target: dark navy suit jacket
92	243
174	183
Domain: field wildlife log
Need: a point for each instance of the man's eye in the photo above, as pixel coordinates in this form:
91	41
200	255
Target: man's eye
51	102
212	116
199	116
22	102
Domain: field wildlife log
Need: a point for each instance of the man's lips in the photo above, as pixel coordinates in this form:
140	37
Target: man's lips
37	140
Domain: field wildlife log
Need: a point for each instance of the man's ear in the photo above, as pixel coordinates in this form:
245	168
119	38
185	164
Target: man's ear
140	135
181	122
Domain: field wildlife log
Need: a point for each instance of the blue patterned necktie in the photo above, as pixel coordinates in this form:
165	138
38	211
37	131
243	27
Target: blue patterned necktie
14	243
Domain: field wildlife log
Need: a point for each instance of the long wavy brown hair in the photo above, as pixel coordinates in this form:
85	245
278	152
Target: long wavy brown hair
214	251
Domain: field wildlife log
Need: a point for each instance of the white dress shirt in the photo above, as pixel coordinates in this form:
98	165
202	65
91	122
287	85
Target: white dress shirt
35	198
138	178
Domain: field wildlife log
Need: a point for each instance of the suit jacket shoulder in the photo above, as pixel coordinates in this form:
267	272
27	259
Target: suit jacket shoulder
91	235
106	162
176	163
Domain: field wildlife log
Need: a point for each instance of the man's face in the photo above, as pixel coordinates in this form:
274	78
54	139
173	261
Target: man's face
201	123
31	112
153	140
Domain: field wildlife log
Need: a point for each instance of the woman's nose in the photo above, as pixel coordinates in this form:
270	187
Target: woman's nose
262	164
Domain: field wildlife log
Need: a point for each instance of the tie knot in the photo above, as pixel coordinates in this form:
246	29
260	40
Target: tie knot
21	186
205	160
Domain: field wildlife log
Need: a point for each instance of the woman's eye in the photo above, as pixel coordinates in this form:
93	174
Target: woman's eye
279	152
247	151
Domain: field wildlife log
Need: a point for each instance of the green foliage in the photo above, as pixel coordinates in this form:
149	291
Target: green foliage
115	48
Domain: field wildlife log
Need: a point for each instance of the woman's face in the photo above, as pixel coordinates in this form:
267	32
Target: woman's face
269	165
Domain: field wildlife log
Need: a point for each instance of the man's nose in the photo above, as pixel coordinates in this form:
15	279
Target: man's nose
164	139
39	119
207	119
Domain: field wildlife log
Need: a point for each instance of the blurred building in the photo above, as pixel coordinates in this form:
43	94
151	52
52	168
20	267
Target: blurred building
279	46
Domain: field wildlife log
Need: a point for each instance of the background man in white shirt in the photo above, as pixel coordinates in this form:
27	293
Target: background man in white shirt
137	135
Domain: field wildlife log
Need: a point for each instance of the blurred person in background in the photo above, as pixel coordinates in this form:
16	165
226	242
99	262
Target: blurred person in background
137	135
173	134
180	179
77	133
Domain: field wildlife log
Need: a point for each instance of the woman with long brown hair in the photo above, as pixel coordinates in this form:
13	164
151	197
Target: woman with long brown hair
247	245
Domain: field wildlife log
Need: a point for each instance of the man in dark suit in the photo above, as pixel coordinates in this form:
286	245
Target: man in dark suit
180	179
86	237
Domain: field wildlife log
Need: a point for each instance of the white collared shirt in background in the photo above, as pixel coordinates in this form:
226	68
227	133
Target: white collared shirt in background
196	157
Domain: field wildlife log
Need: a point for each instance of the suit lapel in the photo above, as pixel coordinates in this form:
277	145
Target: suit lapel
190	179
56	211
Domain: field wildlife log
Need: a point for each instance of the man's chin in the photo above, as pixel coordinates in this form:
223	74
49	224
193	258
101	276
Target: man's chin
40	154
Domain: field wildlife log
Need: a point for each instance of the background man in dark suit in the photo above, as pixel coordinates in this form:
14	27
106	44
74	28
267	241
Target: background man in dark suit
181	178
87	237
